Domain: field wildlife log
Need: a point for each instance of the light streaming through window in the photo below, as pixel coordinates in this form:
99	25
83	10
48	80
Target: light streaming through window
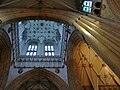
87	6
32	50
49	51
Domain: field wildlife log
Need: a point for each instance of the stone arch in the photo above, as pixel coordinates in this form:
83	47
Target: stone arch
23	14
43	73
95	33
5	49
75	38
83	70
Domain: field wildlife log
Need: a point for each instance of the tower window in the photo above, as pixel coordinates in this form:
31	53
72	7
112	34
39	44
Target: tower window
87	6
49	50
32	50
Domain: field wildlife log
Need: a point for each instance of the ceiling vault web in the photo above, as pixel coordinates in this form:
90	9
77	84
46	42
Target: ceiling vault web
64	4
38	2
32	4
48	5
9	3
53	4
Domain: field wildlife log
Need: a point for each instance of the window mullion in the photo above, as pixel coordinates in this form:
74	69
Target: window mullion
49	50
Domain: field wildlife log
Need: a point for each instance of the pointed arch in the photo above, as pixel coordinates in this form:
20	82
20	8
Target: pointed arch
86	70
101	34
38	75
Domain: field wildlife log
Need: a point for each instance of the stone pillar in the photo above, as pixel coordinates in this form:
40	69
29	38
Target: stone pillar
105	42
5	55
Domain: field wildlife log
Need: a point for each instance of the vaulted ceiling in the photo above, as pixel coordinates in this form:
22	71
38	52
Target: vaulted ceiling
69	5
54	4
104	39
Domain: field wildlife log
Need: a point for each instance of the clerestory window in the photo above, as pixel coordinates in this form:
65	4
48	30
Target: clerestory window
49	50
87	6
32	50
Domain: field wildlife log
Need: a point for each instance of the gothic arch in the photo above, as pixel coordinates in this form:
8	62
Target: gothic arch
37	74
86	69
75	38
5	48
102	37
